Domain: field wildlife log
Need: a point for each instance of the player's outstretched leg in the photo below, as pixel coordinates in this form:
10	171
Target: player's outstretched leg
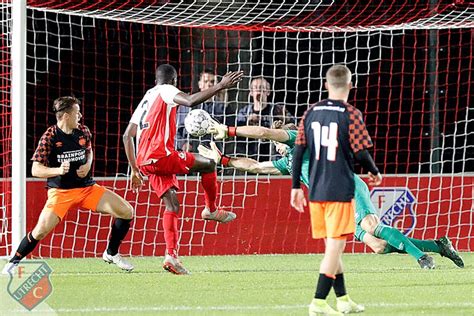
27	245
113	204
46	222
426	262
207	167
211	212
443	246
399	241
219	215
447	250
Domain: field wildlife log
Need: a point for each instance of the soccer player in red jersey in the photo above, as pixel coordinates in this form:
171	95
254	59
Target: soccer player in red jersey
154	125
64	156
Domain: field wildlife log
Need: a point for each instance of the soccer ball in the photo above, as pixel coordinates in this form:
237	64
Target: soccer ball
197	122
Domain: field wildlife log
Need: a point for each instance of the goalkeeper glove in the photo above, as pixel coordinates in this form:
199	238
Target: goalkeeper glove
221	131
213	153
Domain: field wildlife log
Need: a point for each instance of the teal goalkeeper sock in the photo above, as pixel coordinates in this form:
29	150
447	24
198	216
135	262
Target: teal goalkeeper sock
425	245
397	240
390	249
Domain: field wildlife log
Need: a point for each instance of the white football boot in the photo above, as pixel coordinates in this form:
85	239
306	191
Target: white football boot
118	260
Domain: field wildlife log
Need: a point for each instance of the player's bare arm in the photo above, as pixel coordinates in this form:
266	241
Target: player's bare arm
39	170
253	166
221	131
128	136
229	80
239	163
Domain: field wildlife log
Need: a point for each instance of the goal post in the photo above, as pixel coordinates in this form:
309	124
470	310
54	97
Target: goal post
411	64
18	104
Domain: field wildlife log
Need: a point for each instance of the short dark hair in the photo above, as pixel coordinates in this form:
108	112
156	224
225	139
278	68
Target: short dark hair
165	74
64	105
207	71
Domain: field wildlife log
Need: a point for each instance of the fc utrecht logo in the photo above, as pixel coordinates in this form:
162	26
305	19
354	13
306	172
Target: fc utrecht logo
30	285
395	207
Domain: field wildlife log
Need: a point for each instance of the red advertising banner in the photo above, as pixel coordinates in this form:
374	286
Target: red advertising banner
421	207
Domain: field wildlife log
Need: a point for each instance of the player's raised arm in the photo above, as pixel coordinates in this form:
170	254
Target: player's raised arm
222	131
228	80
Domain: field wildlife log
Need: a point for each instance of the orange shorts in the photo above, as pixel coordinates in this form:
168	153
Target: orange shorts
332	219
61	200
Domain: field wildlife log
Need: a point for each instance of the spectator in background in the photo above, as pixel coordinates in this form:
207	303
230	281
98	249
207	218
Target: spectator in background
214	106
261	113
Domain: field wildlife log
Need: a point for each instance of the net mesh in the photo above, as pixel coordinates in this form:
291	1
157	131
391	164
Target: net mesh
412	66
5	125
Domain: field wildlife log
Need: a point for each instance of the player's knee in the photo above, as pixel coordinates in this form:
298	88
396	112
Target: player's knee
369	224
123	210
126	212
175	206
379	247
371	229
211	166
171	201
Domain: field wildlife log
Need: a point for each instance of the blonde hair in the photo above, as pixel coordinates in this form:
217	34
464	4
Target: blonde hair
338	76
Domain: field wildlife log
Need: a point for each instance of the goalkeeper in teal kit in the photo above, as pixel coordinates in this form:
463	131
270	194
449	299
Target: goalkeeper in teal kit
379	237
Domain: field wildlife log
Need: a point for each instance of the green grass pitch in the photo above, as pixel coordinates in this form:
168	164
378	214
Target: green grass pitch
252	285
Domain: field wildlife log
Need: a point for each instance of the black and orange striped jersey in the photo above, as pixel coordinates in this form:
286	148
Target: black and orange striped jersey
55	147
332	131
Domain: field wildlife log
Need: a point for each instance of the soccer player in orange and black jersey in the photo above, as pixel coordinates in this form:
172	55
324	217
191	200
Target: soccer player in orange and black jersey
64	156
334	133
56	147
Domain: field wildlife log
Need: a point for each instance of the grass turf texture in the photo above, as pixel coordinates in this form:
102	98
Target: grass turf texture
253	285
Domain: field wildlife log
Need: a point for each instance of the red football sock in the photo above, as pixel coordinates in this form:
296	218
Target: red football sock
170	226
209	183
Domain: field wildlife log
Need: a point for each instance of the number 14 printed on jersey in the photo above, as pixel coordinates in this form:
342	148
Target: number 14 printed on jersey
325	136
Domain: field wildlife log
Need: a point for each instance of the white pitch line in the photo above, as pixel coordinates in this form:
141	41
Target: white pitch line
240	308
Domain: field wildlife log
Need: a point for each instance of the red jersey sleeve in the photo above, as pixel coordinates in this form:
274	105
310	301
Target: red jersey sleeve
43	150
358	134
